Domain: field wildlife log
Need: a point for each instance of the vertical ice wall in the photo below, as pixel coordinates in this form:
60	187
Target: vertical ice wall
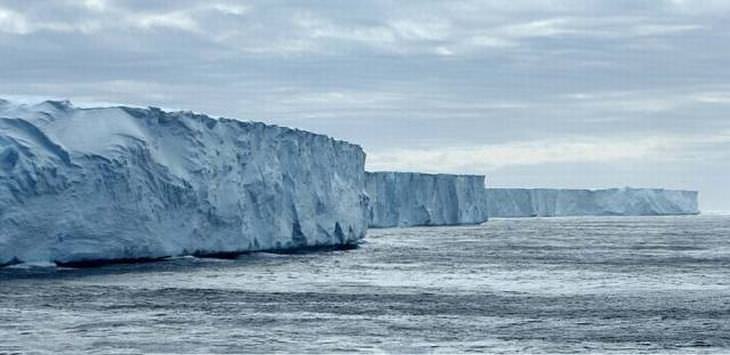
126	183
574	202
415	199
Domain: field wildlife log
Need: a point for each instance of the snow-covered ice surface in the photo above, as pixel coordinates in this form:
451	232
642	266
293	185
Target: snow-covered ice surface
415	199
79	184
617	285
574	202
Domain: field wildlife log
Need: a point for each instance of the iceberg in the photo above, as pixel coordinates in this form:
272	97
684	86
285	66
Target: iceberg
121	183
575	202
400	199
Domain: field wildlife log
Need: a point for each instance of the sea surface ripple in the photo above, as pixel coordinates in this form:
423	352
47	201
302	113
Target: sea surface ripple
559	285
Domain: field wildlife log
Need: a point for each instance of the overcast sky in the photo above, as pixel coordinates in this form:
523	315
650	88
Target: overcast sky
586	93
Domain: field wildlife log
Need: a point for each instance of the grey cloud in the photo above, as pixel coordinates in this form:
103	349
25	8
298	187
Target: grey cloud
439	77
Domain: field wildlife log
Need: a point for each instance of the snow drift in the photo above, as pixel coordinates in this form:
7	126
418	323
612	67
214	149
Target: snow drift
414	199
85	184
607	202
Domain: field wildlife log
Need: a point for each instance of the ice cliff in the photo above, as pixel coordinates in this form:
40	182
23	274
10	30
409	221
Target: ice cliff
414	199
84	184
606	202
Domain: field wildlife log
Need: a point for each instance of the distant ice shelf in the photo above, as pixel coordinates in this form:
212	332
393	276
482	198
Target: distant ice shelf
401	199
91	185
119	183
573	202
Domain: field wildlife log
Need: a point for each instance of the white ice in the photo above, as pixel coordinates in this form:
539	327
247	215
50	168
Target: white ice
414	199
82	184
607	202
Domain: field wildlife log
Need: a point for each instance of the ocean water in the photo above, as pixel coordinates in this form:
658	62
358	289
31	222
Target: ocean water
561	285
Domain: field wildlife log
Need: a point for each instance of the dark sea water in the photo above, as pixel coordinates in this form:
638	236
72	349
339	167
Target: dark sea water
562	285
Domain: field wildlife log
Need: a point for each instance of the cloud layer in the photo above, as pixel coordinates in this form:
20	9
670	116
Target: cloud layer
572	93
